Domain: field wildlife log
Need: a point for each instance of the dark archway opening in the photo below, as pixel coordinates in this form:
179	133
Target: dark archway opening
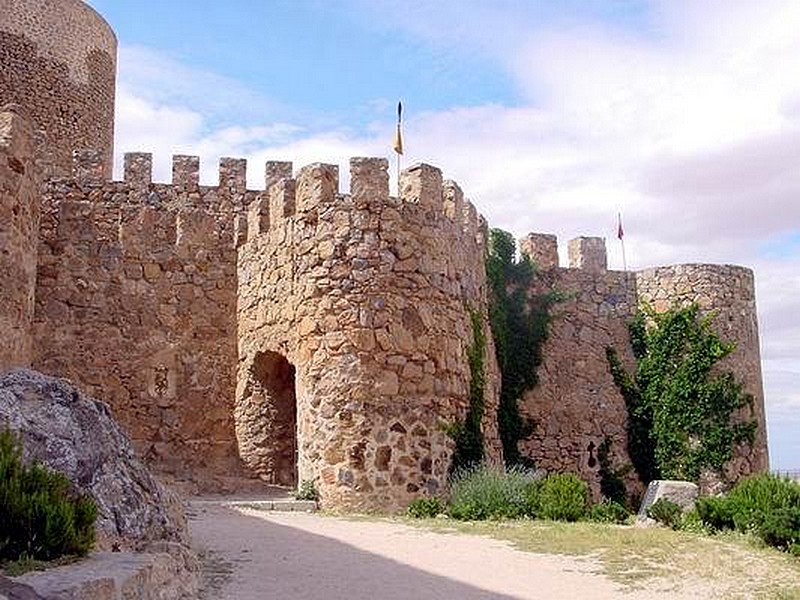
267	426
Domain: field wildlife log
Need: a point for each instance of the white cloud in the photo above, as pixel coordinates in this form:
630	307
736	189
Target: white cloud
693	133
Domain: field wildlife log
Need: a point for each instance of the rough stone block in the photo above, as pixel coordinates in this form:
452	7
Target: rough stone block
542	248
422	184
88	166
232	175
317	184
369	180
138	169
588	253
186	170
683	493
275	170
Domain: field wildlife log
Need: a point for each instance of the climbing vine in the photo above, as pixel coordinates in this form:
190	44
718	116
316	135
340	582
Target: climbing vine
519	323
681	410
468	434
612	484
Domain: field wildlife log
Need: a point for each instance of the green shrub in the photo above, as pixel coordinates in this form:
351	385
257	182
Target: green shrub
766	505
42	519
562	497
715	512
781	528
754	498
608	511
487	492
425	508
666	512
692	523
307	490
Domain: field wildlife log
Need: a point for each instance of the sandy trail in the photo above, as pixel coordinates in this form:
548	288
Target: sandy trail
256	555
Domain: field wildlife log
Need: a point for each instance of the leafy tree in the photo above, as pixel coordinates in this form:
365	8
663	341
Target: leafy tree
681	408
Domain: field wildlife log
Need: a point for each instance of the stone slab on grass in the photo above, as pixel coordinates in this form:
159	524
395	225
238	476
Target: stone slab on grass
683	493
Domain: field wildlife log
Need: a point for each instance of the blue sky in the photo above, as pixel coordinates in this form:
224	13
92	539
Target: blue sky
552	115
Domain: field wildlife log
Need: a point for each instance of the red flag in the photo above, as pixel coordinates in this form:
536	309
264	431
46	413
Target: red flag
620	233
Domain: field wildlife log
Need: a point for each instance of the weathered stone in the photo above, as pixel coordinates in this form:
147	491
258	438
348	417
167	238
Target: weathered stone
59	66
166	572
682	493
75	435
14	590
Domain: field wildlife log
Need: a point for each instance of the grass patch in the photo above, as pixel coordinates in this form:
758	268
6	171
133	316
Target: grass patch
724	566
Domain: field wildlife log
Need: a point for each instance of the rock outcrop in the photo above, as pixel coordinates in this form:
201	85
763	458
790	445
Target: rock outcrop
76	435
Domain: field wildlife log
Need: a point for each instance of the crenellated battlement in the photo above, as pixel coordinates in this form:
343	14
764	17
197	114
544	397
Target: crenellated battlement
586	253
427	204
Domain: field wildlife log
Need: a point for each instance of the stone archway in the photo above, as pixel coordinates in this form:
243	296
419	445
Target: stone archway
266	418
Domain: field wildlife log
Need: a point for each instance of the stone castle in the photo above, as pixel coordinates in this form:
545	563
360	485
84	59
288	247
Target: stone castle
291	333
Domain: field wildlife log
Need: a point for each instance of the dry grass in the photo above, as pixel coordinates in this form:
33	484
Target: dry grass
726	566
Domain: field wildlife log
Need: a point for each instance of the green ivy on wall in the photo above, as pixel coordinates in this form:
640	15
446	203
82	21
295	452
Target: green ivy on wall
468	434
680	408
519	322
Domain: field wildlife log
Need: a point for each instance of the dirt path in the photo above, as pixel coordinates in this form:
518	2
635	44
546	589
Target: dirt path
256	555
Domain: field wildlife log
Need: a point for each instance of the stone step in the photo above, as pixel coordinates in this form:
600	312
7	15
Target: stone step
267	504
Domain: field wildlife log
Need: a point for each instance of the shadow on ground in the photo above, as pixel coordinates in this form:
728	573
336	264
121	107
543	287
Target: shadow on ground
298	564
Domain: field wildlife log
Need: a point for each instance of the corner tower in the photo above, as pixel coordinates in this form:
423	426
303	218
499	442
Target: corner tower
354	325
59	65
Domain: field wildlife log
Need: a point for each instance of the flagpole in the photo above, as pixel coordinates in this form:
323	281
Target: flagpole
398	174
398	142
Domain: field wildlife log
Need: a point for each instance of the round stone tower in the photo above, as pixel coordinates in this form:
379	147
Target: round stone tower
729	291
354	326
59	67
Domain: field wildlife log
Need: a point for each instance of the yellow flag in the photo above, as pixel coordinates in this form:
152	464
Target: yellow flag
398	135
398	140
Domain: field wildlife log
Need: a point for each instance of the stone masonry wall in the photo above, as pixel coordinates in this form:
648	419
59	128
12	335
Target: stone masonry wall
365	297
729	291
19	227
136	302
58	62
576	404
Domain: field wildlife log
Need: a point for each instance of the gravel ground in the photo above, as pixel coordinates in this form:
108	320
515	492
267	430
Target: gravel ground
256	555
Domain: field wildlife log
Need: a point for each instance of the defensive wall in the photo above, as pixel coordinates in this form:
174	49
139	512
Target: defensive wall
294	332
576	404
58	62
19	226
136	302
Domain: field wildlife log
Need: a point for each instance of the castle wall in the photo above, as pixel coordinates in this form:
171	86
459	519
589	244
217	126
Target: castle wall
19	226
729	291
365	297
59	64
136	303
576	403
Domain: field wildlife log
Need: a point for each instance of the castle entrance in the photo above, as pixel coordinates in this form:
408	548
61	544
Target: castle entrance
266	419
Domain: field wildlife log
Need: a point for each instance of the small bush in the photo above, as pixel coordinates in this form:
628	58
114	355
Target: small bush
41	518
608	511
754	498
715	512
766	505
562	497
781	528
692	523
425	508
666	512
487	492
307	490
